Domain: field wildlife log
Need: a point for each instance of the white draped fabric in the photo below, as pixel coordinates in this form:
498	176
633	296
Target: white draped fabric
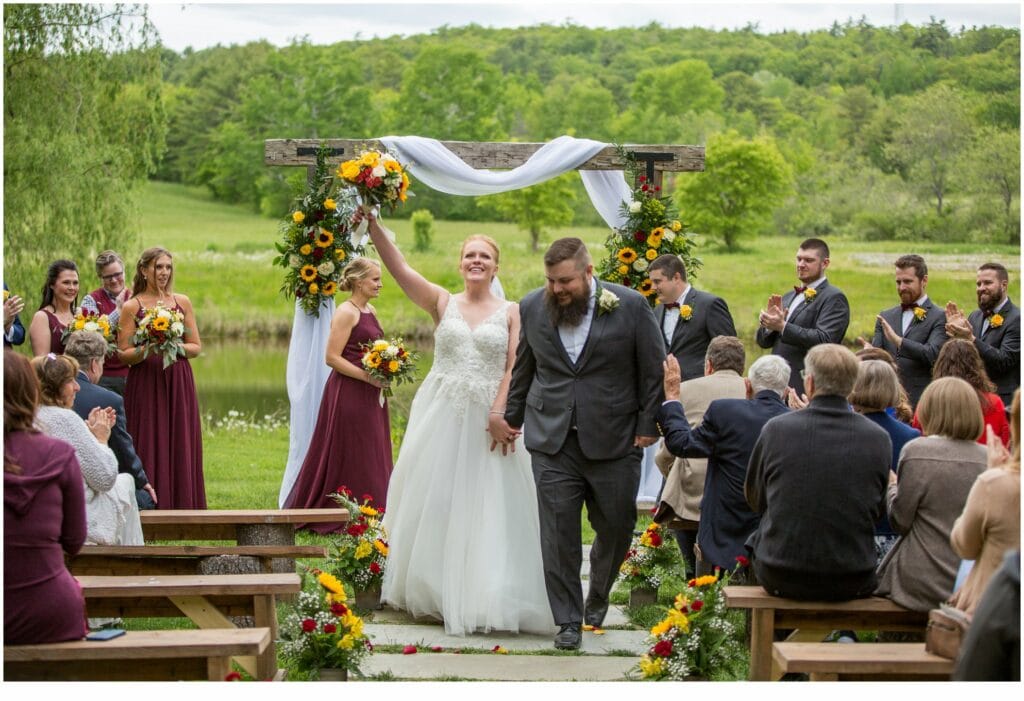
431	163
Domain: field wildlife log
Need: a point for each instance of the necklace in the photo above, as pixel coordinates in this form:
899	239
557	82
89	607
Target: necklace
361	311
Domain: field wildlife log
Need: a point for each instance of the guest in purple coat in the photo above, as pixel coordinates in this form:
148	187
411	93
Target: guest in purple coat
44	517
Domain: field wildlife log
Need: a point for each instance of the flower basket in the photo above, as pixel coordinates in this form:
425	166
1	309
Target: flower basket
332	674
369	599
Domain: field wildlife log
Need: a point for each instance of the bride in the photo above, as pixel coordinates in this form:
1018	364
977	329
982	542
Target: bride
462	524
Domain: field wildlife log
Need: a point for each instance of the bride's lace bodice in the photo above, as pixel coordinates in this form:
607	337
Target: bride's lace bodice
469	363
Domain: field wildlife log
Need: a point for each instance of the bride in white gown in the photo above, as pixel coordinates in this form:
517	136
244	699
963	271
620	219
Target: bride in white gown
462	524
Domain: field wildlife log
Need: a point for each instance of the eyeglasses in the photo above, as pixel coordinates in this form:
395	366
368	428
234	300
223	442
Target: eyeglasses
111	277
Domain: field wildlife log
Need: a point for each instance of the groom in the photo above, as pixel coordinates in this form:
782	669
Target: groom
586	381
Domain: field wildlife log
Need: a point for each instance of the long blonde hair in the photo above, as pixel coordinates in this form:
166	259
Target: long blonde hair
145	260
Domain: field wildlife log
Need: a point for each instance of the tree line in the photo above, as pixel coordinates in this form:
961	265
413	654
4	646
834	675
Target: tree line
907	132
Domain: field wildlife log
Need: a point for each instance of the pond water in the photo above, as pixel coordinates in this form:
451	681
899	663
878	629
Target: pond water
248	376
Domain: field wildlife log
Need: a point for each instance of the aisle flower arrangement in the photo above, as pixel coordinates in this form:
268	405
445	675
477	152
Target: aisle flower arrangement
390	362
360	553
322	632
378	177
91	321
650	556
316	240
652	228
161	330
696	637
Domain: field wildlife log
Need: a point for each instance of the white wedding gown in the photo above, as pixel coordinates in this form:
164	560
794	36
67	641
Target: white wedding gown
462	525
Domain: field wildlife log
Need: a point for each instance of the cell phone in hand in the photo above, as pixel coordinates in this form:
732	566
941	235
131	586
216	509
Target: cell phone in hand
104	634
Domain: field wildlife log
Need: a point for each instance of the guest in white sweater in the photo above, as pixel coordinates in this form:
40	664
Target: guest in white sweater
111	509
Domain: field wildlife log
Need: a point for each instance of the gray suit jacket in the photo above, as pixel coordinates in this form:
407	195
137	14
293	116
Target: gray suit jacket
920	348
690	339
611	393
1000	349
823	320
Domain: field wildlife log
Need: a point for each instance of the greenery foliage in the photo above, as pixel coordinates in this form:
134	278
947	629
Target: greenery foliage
422	229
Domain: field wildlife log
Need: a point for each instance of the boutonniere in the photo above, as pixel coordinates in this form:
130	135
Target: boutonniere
995	321
606	302
809	294
919	314
686	312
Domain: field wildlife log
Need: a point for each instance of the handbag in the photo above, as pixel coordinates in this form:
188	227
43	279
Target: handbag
947	627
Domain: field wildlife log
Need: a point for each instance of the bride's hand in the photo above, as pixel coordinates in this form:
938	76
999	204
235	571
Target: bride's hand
501	433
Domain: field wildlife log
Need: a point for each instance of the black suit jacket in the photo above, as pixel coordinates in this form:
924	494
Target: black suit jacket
690	339
726	437
91	396
823	320
1000	349
921	345
18	331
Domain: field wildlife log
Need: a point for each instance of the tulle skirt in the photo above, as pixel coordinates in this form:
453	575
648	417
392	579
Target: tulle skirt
462	524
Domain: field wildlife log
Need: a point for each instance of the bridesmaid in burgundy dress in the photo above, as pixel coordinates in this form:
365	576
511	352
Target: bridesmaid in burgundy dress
60	298
160	404
351	443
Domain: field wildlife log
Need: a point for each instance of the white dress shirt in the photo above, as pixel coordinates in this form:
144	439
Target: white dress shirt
668	326
984	323
575	337
908	316
800	299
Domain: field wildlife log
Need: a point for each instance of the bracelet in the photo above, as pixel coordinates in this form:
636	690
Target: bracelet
500	413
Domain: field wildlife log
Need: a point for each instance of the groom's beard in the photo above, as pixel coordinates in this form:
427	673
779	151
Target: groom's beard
571	314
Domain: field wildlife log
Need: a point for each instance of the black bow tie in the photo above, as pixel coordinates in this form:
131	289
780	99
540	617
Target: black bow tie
799	289
907	307
671	305
989	313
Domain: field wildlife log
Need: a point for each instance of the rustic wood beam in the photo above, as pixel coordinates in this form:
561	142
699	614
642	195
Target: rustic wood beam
489	155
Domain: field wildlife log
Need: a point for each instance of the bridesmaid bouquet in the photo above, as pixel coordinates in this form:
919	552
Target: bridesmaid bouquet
91	321
161	330
378	177
390	362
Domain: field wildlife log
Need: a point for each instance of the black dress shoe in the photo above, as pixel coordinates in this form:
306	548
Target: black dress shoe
569	637
595	613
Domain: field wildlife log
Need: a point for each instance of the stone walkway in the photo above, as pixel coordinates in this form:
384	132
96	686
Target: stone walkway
606	657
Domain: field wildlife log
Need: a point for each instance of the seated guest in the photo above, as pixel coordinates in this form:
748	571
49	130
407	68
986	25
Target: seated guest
991	649
725	436
990	523
901	410
817	477
44	517
89	350
935	475
110	507
877	390
679	504
959	358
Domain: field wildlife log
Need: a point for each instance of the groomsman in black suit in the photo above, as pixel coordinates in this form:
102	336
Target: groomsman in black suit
814	312
994	328
688	318
914	331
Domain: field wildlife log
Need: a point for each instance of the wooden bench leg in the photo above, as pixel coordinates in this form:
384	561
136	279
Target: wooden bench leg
265	615
206	615
217	668
762	631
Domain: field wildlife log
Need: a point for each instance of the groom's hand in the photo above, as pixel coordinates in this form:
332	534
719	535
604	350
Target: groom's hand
501	433
644	441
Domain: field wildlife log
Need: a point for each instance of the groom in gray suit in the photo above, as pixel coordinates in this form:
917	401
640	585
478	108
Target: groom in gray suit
586	383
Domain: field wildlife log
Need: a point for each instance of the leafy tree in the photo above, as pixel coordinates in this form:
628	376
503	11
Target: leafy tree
535	209
929	136
83	125
994	163
742	182
686	86
573	106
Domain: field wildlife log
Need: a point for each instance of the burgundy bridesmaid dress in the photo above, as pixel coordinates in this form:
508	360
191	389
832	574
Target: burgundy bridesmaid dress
56	331
351	443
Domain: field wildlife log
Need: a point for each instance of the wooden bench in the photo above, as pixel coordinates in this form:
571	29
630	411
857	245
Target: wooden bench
156	655
208	600
811	621
244	527
123	560
862	661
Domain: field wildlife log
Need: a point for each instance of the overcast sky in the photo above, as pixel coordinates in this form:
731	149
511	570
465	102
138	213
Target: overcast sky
200	25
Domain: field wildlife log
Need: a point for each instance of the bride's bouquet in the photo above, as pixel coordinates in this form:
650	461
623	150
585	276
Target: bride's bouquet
161	330
390	362
91	321
378	177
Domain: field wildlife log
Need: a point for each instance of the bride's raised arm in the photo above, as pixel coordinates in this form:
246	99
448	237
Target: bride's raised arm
422	292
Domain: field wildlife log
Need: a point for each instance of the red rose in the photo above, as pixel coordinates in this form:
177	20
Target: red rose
367	498
318	253
344	490
626	281
233	677
643	188
662	648
330	628
308	625
692	583
642	179
697	605
409	650
437	648
742	561
639	236
655	540
374	568
657	188
339	609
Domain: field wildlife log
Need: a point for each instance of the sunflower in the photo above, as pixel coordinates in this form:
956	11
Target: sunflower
161	324
307	273
393	366
626	255
324	239
339	253
329	289
329	582
646	288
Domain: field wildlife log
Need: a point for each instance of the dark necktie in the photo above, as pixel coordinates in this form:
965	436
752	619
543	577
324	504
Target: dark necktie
907	307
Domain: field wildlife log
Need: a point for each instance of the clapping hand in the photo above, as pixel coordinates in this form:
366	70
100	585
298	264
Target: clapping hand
998	455
672	377
12	307
100	421
773	316
957	325
890	334
796	401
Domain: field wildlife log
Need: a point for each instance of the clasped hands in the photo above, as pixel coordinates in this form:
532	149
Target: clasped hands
773	316
501	433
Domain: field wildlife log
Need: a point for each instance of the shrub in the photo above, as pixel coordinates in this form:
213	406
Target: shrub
423	229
